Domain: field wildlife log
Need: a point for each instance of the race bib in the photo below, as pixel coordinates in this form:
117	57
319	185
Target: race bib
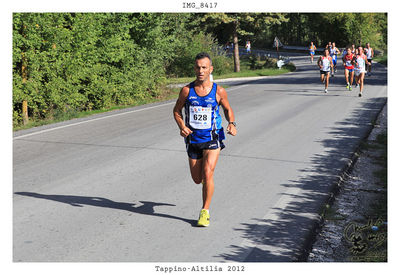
200	117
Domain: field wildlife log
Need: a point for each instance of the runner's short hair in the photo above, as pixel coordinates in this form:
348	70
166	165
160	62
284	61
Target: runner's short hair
203	55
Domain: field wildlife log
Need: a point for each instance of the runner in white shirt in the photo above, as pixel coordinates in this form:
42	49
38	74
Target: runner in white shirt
369	52
325	65
360	61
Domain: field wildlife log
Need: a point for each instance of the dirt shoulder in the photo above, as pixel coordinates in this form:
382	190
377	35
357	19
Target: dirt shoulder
354	225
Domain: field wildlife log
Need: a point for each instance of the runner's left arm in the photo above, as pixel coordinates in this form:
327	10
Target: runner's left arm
229	115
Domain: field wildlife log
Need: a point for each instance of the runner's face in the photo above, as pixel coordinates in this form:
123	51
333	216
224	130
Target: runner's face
349	51
203	69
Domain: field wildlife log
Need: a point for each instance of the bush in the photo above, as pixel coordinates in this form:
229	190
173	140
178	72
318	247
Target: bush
76	62
222	64
183	62
255	62
270	62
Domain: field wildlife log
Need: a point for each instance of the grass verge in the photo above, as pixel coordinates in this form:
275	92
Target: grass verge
382	59
167	94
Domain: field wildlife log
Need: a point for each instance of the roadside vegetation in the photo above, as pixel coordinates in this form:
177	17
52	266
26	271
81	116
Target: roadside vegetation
382	59
166	92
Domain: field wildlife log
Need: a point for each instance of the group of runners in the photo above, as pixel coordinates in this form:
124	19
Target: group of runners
356	61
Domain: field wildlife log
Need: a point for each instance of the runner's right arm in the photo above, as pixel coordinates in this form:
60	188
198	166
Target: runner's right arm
178	116
319	63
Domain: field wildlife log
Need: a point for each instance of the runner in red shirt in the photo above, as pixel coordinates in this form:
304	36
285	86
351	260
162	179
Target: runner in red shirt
348	62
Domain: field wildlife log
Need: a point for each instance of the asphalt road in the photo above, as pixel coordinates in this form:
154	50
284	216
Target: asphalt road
116	186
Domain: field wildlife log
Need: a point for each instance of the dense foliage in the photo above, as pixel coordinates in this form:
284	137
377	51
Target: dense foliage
88	61
343	28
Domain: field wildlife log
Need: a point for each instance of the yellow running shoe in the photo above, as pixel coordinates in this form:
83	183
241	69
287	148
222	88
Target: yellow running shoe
204	219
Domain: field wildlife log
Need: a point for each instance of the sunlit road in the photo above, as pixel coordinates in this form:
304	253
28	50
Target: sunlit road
116	186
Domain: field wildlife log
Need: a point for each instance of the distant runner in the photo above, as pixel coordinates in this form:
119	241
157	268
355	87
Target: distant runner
333	53
348	62
202	128
353	49
329	46
248	47
360	60
369	52
325	65
355	54
312	51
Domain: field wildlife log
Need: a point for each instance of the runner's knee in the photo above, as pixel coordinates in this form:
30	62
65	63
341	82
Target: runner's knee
197	179
208	173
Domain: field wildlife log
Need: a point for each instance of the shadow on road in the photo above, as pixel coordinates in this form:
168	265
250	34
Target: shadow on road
147	207
287	237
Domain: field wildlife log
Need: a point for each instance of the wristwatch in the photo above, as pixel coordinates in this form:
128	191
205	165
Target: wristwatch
234	123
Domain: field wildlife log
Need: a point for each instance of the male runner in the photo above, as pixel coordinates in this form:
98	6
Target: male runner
312	49
248	47
369	52
333	53
360	60
325	64
202	127
329	46
353	49
348	60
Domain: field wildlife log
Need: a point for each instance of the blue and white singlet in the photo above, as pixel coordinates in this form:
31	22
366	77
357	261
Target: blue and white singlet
202	116
333	54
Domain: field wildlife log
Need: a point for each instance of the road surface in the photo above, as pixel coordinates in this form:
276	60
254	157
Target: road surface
116	186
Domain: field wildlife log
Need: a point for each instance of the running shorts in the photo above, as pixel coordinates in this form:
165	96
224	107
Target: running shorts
324	72
312	53
195	150
334	60
369	60
350	70
358	72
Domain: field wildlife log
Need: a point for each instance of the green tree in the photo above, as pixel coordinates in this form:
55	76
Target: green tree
244	24
342	28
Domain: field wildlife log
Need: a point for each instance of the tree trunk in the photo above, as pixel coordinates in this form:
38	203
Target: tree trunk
24	73
24	69
25	116
236	59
